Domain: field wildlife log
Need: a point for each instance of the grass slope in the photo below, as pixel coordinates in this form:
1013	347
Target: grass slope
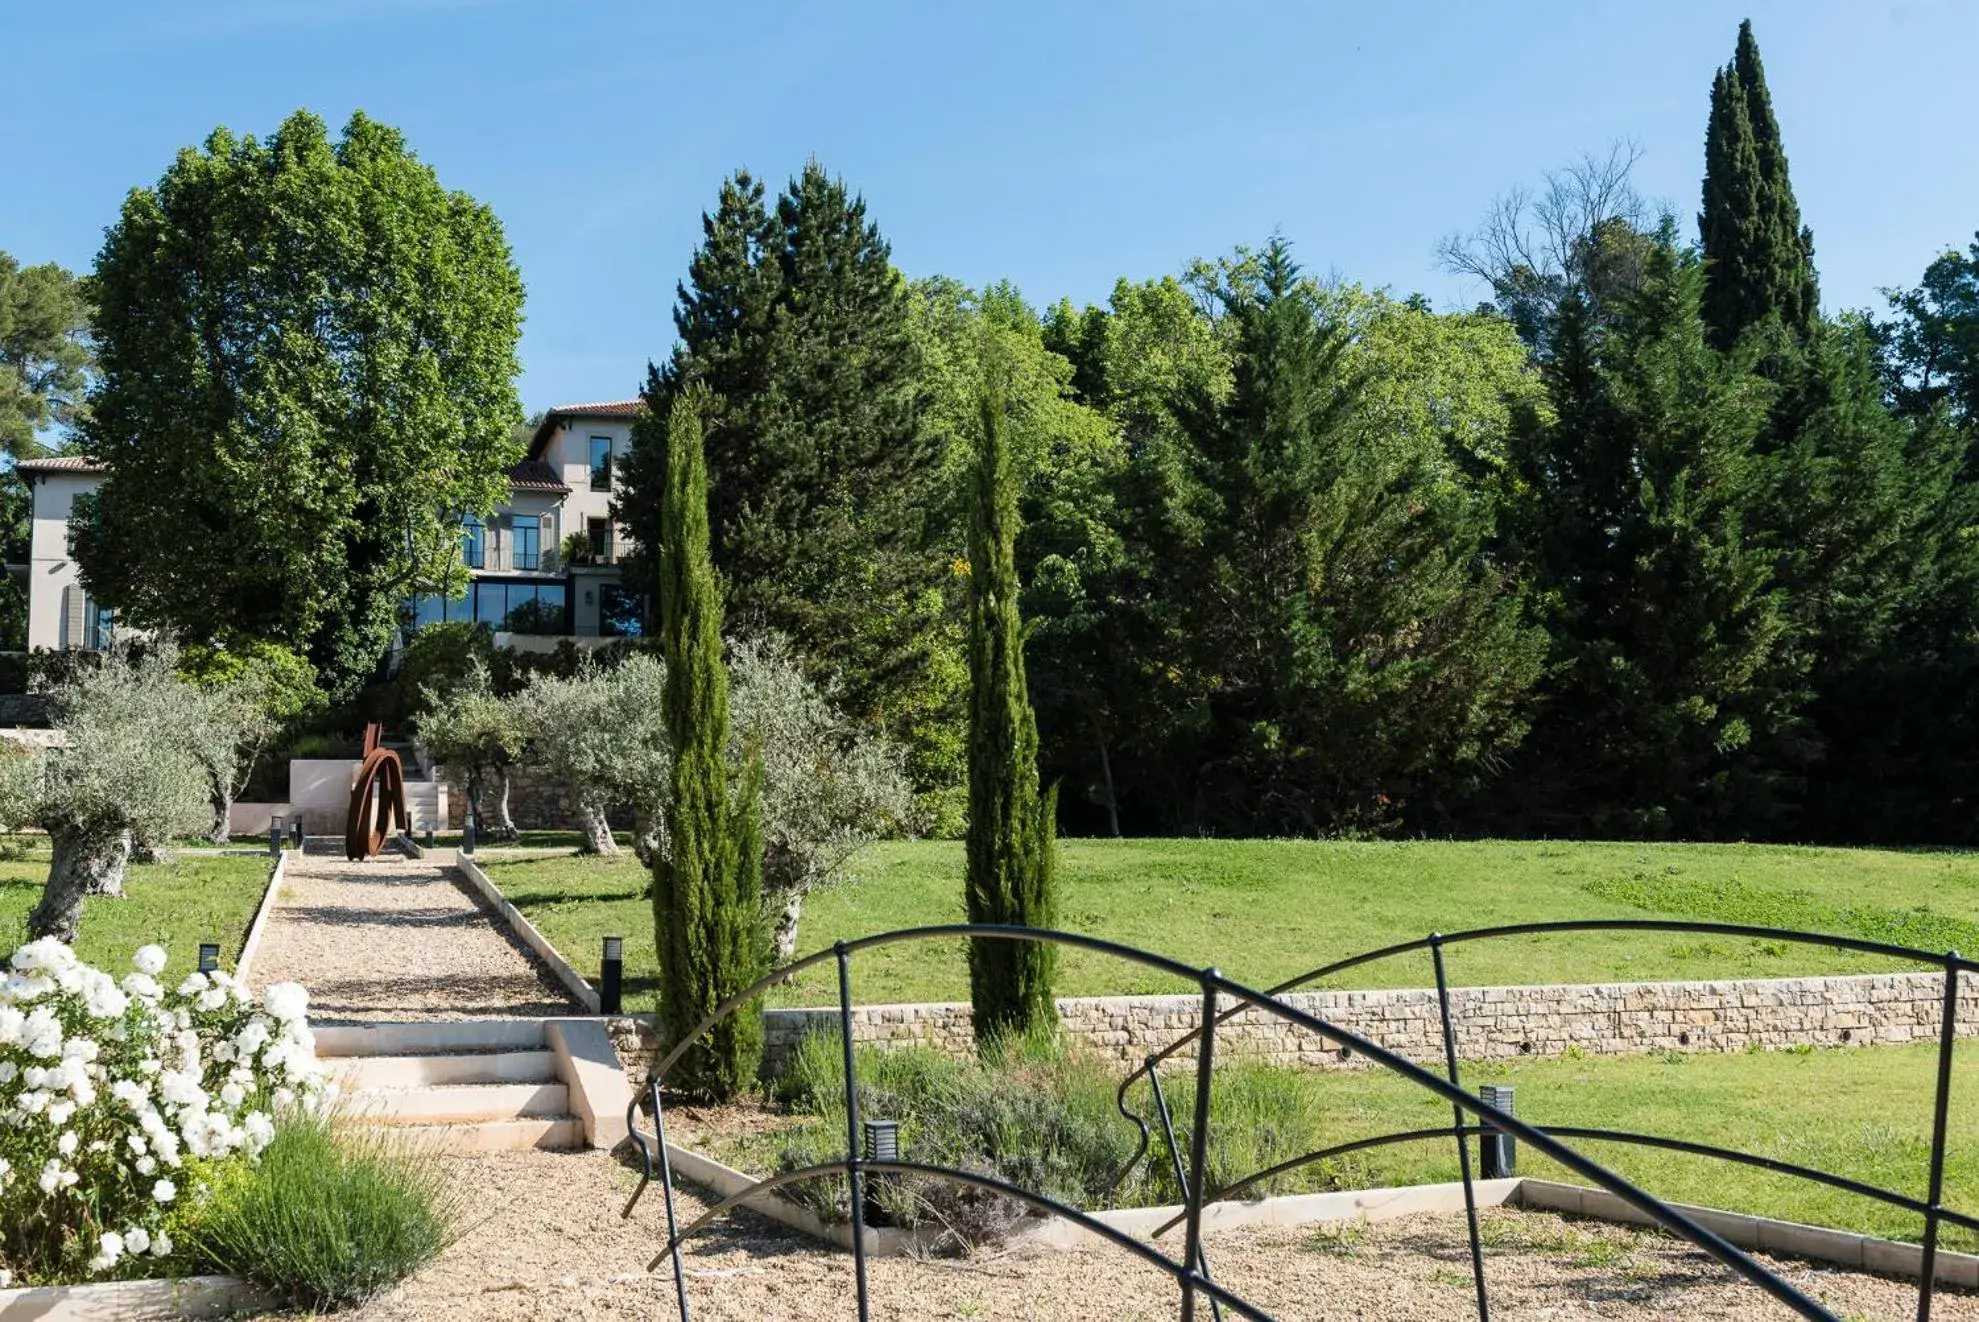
200	897
1265	911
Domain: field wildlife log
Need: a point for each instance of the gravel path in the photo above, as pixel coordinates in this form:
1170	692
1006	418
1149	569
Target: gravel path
546	1243
397	938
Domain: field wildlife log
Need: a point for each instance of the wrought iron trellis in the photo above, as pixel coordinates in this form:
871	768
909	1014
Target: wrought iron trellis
1192	1273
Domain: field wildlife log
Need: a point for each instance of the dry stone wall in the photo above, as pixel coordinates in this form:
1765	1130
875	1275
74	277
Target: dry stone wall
1491	1023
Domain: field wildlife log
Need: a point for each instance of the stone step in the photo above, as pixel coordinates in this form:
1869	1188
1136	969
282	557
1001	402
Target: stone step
430	1037
459	1103
376	1073
558	1133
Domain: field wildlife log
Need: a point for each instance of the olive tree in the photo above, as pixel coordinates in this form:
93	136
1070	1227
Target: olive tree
602	733
830	786
127	767
479	736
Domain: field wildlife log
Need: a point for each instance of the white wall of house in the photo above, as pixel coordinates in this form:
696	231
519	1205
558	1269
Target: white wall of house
55	595
569	452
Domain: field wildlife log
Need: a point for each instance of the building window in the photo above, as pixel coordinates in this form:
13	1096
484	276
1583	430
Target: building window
600	533
473	542
621	613
102	627
601	463
526	546
432	608
533	608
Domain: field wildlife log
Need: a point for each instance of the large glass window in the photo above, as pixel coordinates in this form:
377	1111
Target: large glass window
600	533
601	463
102	627
432	608
527	544
520	607
621	613
473	542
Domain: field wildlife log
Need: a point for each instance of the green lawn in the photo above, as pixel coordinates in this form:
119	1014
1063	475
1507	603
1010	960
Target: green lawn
1265	911
177	905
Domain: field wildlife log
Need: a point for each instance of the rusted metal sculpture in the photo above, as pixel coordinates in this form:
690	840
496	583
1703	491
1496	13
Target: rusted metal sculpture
377	801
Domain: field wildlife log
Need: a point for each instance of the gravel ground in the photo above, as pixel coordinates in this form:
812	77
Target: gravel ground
397	938
554	1247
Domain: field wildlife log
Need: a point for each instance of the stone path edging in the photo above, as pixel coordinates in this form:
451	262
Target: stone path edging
244	966
573	982
132	1301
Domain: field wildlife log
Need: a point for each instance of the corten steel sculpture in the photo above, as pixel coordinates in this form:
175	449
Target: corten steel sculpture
377	801
1222	999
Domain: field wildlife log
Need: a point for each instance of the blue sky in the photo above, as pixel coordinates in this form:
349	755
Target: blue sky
1060	145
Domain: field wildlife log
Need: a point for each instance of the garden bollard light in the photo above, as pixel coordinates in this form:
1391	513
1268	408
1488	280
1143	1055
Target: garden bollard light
209	956
295	831
1498	1153
430	839
611	976
882	1144
467	835
275	837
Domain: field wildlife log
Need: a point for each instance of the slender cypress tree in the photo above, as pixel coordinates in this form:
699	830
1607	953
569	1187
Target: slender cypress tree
1012	841
707	885
1760	257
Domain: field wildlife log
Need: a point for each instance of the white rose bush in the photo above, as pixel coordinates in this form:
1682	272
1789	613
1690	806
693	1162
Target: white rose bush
122	1098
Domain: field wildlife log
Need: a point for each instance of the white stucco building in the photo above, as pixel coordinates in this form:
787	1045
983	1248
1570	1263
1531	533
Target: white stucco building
525	586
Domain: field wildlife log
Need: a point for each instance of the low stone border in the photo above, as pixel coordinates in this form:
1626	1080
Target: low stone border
1867	1253
244	966
133	1301
572	981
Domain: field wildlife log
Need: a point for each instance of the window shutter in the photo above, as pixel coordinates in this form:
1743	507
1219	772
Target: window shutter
75	608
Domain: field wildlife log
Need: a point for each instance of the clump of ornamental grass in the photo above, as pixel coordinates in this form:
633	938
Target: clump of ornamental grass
330	1215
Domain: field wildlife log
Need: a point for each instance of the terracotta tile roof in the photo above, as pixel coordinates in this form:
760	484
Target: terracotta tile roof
535	475
59	463
556	417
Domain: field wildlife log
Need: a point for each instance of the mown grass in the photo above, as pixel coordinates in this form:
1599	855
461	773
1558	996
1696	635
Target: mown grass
1863	1112
198	897
1265	911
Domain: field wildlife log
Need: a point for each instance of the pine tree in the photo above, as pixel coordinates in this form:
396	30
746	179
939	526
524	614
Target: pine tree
1012	845
821	474
707	886
1760	258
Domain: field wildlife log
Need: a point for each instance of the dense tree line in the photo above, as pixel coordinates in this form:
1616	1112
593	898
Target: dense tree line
1647	545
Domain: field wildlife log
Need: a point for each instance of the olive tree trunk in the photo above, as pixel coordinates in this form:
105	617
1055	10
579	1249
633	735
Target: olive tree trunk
503	825
649	834
84	863
223	812
597	831
783	930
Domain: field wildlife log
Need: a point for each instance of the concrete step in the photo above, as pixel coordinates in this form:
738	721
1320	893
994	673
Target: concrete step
430	1037
466	1103
378	1073
559	1133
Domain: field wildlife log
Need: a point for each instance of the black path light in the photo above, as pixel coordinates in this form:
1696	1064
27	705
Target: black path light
882	1144
1497	1152
209	956
275	836
611	976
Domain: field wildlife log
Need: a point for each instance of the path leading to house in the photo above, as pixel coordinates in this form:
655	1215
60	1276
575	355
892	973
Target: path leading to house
395	939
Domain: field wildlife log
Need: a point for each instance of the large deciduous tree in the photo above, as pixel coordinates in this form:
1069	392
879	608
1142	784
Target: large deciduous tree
707	883
308	353
1759	258
822	496
1012	841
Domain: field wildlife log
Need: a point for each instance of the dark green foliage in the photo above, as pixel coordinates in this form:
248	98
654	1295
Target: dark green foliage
821	476
1353	641
707	884
308	376
1012	843
1933	343
1671	705
1759	258
327	1217
44	355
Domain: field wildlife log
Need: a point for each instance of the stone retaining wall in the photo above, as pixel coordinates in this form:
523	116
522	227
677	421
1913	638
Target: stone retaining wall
1492	1023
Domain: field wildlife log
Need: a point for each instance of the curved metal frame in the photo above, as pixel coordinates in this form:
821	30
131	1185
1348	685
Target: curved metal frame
377	800
1192	1272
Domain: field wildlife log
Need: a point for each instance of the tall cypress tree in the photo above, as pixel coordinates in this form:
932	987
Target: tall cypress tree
1760	258
707	886
1012	845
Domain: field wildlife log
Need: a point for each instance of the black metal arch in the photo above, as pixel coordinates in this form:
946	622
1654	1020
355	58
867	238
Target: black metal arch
1192	1273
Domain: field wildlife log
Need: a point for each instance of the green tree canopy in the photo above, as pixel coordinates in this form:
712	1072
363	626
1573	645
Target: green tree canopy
44	353
308	361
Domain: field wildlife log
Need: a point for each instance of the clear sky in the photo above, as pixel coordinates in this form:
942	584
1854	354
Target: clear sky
1061	145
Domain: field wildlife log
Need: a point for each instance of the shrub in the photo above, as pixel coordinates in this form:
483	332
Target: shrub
328	1216
121	1100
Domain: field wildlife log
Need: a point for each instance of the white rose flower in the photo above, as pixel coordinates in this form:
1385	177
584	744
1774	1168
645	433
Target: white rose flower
68	1143
137	1239
161	1245
194	984
147	1165
149	960
286	1001
164	1191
